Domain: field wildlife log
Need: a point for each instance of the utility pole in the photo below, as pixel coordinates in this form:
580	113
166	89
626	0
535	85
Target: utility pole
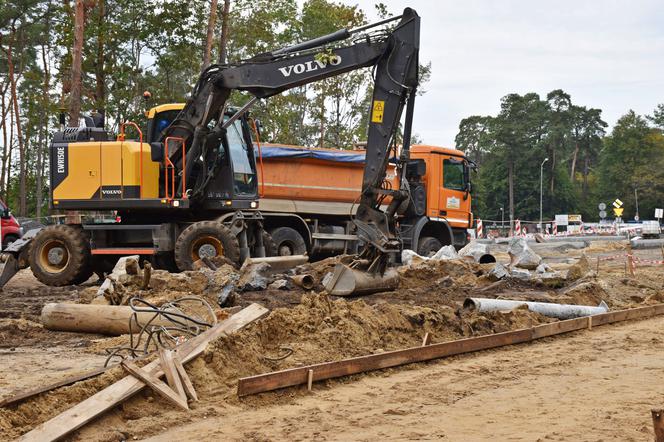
541	174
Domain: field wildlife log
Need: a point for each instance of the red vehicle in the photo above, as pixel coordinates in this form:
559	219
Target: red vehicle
11	229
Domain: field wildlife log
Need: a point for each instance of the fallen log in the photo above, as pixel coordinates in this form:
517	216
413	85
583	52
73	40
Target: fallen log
87	410
94	318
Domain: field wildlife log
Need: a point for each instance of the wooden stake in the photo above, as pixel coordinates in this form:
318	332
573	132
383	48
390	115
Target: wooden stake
188	386
590	322
156	384
310	379
171	372
426	340
658	424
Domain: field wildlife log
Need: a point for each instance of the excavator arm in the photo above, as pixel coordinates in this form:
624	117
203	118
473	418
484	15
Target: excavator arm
394	55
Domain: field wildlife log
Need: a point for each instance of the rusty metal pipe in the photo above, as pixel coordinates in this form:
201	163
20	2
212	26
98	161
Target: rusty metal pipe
305	281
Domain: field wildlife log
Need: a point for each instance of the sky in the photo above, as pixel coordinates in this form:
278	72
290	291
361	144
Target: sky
606	54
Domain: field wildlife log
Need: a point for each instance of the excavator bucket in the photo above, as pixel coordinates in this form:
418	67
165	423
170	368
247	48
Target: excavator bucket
346	281
8	268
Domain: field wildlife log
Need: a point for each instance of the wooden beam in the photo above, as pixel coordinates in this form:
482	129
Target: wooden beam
188	386
329	370
171	372
658	424
156	385
87	410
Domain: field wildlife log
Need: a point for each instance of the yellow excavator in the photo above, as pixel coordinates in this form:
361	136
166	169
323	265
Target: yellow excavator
187	187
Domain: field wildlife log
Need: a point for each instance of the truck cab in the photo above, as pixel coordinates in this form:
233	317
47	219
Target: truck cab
11	229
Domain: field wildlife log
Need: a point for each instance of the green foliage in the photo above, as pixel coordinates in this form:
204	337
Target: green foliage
513	145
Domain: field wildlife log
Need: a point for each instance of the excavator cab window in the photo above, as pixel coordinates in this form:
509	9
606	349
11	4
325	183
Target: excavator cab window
244	172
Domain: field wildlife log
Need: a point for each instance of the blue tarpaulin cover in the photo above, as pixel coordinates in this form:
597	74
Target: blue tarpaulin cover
282	151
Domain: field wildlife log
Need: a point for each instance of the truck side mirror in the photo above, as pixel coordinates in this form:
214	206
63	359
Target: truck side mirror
6	213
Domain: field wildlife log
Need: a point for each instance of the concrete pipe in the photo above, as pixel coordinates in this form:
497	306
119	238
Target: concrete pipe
560	311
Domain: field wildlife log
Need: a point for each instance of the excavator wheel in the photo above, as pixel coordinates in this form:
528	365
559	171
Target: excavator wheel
205	239
428	246
60	255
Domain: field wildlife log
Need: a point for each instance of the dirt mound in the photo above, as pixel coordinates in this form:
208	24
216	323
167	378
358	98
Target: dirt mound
317	330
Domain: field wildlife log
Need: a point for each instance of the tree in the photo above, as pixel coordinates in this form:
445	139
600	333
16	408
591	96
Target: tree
210	32
77	62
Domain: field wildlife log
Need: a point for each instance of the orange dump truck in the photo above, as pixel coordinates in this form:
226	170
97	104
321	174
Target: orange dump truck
309	194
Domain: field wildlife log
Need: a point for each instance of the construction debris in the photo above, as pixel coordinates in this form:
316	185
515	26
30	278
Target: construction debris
85	411
521	255
477	251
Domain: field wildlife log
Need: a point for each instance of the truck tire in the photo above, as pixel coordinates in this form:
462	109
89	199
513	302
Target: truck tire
288	241
60	255
205	238
269	244
428	246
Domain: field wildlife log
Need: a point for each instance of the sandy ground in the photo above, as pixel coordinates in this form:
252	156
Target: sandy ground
588	386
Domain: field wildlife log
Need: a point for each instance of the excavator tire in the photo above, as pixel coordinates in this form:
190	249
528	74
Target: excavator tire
205	238
60	255
428	246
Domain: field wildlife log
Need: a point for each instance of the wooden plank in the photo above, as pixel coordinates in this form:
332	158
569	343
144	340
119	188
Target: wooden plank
188	386
171	372
328	370
556	328
87	410
156	385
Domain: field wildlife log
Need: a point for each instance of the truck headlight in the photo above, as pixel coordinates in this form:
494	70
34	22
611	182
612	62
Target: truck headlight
253	204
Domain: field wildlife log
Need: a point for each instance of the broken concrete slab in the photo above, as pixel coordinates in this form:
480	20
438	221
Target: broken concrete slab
446	252
498	272
521	255
254	277
520	273
475	250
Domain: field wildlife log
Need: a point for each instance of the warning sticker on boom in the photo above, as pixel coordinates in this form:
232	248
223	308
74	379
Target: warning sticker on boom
377	112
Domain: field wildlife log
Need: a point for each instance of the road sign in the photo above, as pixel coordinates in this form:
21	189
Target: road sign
617	203
602	206
659	213
636	217
602	214
618	211
561	220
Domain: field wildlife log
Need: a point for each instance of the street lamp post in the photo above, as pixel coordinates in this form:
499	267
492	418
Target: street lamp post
541	175
502	220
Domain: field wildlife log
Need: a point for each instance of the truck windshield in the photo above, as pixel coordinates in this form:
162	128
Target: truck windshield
453	174
244	173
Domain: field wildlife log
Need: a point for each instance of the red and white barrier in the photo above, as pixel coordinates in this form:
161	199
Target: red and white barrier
480	229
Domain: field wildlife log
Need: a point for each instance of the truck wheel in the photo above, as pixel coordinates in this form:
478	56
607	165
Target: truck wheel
60	255
288	242
269	244
205	239
428	246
